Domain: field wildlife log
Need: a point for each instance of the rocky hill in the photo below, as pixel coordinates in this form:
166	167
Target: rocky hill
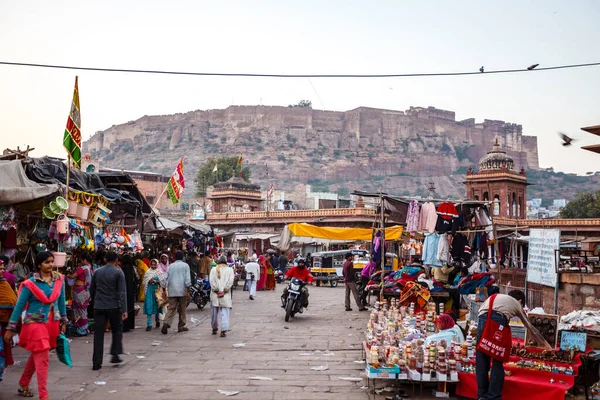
366	148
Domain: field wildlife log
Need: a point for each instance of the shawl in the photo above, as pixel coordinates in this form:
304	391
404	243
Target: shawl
149	275
8	297
141	269
161	266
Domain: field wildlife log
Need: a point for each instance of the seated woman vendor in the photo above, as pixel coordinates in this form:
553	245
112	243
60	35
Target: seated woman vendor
447	330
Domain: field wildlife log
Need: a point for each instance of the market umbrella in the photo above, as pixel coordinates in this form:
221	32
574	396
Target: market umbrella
271	251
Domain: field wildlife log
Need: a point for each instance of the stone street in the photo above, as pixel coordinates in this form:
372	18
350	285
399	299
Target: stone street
195	364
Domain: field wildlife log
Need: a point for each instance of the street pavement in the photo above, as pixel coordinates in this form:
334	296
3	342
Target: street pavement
195	364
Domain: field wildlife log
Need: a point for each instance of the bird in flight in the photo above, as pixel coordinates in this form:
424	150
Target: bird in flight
531	67
481	69
566	140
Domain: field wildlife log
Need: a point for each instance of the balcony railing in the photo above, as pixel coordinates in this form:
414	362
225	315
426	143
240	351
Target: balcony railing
291	214
548	222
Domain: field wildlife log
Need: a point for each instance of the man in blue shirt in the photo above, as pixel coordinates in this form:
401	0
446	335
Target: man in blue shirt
177	281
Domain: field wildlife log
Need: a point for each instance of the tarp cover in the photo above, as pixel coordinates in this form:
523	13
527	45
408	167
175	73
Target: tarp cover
16	187
366	234
293	232
51	170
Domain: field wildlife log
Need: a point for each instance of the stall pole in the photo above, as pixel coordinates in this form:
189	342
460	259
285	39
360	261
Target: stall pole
382	227
556	260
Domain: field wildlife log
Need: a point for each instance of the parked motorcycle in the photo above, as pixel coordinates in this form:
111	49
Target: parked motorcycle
293	303
199	293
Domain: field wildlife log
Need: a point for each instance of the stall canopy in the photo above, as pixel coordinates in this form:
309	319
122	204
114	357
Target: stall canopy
168	224
293	231
16	187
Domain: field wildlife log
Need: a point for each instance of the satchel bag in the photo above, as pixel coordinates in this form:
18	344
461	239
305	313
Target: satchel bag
496	340
160	298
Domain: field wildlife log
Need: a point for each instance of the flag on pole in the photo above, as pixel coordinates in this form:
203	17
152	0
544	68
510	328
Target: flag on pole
216	168
240	159
176	183
72	136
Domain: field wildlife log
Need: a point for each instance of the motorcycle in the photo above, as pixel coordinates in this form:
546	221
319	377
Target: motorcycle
199	293
293	303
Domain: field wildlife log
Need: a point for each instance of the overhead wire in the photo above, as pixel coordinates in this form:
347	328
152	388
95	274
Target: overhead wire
266	75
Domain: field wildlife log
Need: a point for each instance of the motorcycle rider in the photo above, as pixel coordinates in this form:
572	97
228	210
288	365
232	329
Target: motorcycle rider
301	272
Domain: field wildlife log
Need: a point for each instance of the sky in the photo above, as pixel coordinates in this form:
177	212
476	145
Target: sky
320	37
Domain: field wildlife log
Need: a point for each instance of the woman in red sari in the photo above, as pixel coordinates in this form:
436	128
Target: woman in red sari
42	297
262	280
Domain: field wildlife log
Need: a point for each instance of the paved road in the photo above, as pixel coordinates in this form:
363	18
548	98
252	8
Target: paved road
195	364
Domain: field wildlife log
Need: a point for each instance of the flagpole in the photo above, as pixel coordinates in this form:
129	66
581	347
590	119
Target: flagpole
68	173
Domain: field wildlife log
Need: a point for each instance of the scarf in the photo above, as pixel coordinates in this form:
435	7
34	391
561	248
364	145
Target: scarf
39	293
149	275
8	297
161	266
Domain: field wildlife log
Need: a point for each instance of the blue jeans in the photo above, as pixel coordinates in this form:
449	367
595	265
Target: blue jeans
489	389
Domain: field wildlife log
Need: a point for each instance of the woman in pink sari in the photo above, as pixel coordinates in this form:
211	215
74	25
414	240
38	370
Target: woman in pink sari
262	280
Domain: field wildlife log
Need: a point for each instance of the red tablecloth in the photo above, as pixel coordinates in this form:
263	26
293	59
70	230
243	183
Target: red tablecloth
518	386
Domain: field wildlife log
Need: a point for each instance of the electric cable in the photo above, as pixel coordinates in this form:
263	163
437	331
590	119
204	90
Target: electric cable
256	75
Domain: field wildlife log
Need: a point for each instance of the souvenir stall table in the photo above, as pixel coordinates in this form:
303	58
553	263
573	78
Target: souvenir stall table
540	378
400	346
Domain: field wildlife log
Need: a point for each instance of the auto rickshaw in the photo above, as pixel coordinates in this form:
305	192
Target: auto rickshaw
327	265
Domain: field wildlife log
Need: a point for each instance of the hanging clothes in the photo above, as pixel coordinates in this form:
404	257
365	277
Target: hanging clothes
447	211
427	218
430	250
412	218
460	245
443	250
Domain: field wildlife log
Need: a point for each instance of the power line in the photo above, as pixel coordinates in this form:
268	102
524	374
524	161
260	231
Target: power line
248	75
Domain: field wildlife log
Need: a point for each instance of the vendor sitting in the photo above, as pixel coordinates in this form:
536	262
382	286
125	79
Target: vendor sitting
447	330
442	274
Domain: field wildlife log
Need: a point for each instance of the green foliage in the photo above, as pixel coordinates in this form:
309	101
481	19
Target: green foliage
226	168
336	153
585	205
259	148
281	158
446	148
302	104
343	191
258	140
461	152
223	139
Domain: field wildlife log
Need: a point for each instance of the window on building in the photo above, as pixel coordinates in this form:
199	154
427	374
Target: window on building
514	204
496	206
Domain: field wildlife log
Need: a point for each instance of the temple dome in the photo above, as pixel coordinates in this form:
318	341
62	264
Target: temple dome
236	183
496	160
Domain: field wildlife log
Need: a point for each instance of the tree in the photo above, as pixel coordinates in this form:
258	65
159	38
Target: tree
301	103
585	205
226	168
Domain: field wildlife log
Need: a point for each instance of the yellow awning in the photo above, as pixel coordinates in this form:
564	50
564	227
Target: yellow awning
299	229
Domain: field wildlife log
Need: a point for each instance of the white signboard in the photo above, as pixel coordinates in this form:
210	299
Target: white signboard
542	257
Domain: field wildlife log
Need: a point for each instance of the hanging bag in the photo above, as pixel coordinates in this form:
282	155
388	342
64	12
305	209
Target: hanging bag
496	340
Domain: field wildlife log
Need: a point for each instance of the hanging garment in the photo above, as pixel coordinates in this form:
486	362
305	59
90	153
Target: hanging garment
443	225
412	218
443	250
460	244
482	217
427	218
447	211
430	248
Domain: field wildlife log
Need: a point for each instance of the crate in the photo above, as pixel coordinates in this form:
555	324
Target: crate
382	372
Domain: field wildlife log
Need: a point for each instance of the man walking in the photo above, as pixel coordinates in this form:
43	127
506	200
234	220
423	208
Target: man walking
283	263
221	281
350	283
252	272
108	293
177	283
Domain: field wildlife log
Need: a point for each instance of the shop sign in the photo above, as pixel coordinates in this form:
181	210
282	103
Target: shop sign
570	340
541	261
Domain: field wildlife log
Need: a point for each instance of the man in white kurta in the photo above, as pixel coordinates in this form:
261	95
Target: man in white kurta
252	274
221	281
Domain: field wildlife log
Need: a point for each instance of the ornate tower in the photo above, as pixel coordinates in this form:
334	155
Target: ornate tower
496	181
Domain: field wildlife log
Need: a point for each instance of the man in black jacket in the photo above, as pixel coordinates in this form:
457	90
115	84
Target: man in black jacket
108	294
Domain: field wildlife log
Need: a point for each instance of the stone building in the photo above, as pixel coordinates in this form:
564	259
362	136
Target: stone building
235	195
497	181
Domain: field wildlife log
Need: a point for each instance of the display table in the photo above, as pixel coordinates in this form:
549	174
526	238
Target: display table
524	383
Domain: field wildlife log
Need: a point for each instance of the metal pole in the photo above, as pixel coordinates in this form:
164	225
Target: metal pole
68	174
556	260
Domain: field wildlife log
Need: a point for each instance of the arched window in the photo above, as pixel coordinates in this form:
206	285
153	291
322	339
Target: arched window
508	205
486	196
520	207
496	205
90	168
514	204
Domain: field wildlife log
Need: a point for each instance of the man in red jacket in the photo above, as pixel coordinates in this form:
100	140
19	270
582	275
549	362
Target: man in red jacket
301	272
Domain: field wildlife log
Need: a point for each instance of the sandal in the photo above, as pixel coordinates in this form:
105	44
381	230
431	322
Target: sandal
24	391
215	330
223	333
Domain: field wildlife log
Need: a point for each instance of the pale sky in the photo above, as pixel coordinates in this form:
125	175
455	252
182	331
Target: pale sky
336	37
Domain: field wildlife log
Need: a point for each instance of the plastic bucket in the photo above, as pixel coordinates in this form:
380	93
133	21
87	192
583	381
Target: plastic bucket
82	211
62	224
60	259
72	210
